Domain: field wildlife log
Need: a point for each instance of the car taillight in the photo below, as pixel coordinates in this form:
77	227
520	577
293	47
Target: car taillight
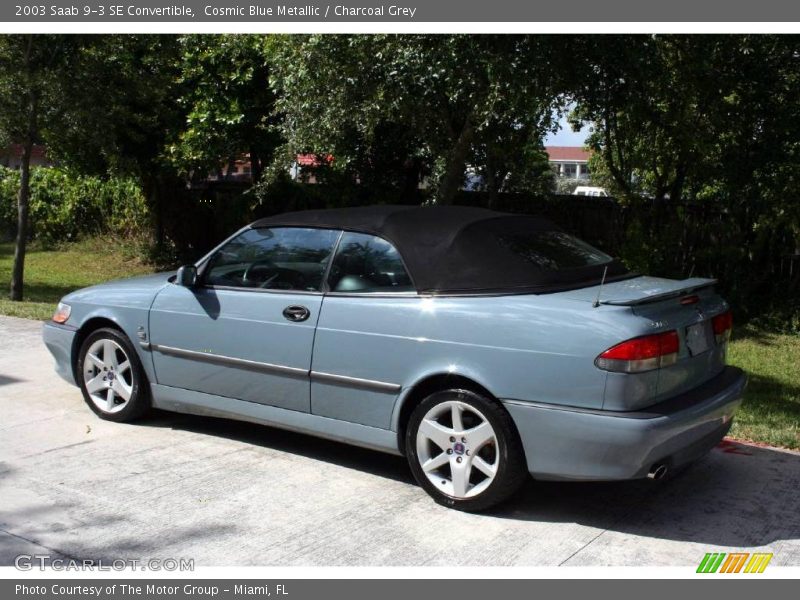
722	325
641	354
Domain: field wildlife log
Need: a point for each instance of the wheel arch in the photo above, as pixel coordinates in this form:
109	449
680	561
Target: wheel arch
89	326
424	387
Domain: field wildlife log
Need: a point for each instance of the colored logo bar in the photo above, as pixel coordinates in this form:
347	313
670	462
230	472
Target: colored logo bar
734	562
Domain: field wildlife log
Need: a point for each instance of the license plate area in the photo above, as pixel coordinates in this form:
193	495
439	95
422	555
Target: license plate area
698	338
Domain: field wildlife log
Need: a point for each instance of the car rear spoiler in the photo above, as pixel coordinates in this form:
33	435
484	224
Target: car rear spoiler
680	288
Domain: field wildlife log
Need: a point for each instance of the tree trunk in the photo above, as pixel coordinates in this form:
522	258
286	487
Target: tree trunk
494	177
491	187
255	166
412	168
23	198
152	190
456	163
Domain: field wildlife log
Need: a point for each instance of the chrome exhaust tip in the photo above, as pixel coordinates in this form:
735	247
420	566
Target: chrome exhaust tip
657	472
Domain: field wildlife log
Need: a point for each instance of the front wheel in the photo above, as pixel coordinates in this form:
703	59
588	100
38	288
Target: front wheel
464	450
111	377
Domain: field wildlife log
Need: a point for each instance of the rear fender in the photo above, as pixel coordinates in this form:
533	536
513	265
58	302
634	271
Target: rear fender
460	371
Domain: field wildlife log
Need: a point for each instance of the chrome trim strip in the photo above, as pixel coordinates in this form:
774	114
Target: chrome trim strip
374	295
252	365
634	414
357	382
228	361
233	288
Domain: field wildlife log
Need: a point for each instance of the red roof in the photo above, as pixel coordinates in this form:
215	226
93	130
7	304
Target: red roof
313	160
567	153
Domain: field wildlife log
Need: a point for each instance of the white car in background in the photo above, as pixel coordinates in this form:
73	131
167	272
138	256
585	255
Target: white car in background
587	190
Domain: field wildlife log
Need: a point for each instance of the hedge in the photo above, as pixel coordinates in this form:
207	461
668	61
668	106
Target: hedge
66	207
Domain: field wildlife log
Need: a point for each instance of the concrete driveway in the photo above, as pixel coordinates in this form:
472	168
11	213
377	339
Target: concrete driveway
227	493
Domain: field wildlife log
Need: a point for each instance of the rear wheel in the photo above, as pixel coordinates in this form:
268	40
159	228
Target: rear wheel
464	450
111	376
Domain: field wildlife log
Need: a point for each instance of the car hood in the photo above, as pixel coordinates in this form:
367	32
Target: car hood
135	290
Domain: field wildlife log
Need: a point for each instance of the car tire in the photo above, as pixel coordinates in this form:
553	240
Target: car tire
464	450
111	377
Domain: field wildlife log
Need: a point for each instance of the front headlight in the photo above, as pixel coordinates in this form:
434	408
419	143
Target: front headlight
62	313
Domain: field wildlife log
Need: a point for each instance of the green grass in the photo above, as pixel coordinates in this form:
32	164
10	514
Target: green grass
770	413
52	273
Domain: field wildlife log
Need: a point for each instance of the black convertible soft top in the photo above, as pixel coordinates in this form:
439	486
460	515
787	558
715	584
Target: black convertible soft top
457	249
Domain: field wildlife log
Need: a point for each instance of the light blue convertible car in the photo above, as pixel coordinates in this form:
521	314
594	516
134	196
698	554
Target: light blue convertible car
483	346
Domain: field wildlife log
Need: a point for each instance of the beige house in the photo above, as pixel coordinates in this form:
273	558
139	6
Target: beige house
570	162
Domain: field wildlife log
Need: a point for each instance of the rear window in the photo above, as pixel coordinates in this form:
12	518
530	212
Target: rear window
552	250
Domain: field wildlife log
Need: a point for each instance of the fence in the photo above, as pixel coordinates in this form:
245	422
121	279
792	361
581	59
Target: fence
756	261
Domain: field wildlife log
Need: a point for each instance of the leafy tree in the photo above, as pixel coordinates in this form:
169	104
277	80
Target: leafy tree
448	92
709	124
391	164
512	159
123	114
228	101
30	77
685	117
647	115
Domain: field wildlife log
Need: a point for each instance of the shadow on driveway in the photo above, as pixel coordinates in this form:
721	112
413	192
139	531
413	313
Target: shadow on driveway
738	496
352	457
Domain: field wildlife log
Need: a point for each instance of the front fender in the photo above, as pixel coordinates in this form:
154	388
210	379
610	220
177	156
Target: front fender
127	319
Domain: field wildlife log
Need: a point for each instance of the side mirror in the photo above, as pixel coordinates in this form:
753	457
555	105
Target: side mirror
187	276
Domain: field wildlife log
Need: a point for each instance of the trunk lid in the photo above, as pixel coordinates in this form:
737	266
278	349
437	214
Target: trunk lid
640	290
687	307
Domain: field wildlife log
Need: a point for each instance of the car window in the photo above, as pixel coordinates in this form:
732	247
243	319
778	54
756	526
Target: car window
553	250
283	258
365	264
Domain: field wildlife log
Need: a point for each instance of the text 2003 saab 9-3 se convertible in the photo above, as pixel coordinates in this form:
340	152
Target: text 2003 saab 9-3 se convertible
483	346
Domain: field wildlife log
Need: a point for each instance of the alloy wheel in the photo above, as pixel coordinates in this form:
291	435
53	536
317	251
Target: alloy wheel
108	376
457	449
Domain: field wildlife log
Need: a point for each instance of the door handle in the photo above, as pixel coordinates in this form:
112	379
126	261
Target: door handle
296	313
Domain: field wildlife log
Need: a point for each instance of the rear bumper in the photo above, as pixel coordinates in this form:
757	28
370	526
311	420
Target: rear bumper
577	444
59	339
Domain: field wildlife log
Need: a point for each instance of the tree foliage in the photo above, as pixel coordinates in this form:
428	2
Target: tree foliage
700	120
31	88
447	94
65	206
228	102
122	113
707	125
692	117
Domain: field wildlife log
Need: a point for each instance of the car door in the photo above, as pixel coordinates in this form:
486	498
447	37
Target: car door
246	330
362	349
